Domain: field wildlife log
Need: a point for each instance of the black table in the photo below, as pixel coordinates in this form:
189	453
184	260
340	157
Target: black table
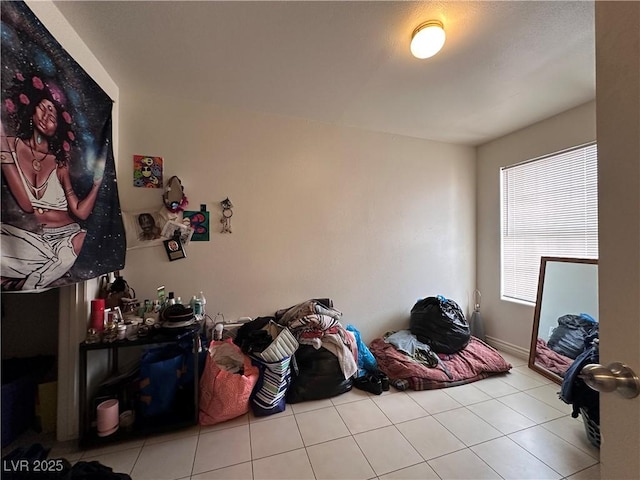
180	418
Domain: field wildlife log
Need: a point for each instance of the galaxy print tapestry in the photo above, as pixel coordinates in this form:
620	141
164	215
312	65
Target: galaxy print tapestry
61	221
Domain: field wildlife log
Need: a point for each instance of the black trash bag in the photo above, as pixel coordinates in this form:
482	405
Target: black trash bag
440	323
315	375
569	336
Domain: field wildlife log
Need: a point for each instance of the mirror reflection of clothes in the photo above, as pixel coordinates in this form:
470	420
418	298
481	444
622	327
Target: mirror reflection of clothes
550	359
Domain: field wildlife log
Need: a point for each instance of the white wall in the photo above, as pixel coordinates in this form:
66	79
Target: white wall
508	322
373	221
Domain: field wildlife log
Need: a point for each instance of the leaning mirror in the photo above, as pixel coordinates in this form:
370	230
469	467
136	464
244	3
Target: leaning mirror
566	314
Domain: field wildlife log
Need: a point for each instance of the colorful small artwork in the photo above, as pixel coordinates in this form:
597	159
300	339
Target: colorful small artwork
199	221
147	171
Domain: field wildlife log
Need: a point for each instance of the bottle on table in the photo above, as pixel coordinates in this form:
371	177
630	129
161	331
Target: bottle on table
171	299
203	302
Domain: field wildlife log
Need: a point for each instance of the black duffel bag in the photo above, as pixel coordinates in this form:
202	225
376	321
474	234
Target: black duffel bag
440	323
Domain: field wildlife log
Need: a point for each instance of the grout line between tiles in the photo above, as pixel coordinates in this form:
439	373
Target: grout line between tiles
295	419
500	398
538	458
365	457
482	460
408	466
195	453
579	447
136	460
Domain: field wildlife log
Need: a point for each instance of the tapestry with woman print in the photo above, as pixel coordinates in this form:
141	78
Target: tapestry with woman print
61	221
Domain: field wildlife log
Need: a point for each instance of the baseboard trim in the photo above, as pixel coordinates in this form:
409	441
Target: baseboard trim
507	347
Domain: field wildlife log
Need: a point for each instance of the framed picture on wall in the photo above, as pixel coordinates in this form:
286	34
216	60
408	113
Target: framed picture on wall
172	229
144	227
174	249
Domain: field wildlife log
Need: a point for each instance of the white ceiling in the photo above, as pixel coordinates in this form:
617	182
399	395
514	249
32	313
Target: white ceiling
505	64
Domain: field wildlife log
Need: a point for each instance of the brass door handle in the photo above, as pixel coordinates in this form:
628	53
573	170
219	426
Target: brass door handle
615	377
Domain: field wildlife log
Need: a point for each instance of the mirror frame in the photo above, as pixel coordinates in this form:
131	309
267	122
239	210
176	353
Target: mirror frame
536	315
173	197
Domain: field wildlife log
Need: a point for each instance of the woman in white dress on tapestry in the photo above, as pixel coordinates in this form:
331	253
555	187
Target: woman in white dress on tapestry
46	241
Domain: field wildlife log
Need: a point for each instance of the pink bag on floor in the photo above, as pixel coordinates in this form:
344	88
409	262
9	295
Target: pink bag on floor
223	394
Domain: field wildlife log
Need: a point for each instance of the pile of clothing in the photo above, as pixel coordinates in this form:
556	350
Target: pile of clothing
328	359
316	323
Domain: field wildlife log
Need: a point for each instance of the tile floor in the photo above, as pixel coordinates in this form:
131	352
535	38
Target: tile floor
510	426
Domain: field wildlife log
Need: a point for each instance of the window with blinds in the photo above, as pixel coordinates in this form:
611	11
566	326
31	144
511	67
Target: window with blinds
549	208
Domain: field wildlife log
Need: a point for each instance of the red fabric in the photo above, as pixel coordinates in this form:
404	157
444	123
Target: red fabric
225	395
551	359
474	362
318	333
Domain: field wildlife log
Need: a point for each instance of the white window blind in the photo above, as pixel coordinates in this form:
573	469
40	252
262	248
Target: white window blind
549	208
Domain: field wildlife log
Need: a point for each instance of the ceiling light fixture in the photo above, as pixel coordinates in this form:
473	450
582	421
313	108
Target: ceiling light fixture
427	39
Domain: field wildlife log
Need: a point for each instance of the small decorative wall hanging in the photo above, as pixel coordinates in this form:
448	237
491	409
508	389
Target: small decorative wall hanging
174	248
173	229
227	213
199	222
147	171
174	198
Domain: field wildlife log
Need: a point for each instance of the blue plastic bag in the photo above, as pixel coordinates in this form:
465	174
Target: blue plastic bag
366	361
160	372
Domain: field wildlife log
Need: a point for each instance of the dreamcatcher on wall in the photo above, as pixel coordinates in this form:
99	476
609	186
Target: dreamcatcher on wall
227	213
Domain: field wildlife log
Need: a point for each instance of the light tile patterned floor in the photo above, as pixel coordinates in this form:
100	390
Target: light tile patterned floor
511	426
